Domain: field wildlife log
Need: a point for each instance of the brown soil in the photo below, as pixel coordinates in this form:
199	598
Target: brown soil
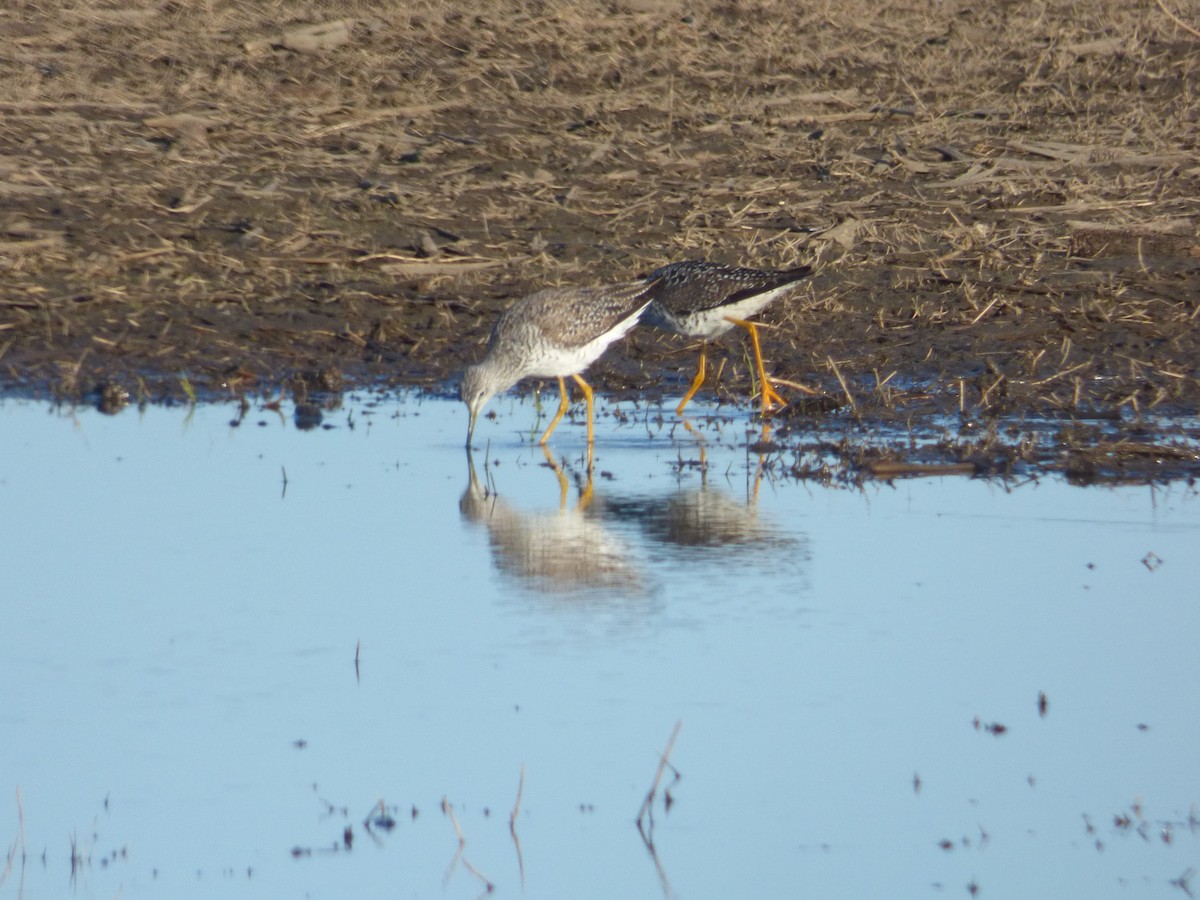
213	199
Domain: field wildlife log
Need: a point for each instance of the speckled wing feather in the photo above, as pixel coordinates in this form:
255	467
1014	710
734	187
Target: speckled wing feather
575	316
695	286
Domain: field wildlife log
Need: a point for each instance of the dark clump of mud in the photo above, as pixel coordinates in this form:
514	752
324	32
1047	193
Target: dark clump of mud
199	200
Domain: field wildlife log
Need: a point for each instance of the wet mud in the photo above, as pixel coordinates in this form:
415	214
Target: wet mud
206	202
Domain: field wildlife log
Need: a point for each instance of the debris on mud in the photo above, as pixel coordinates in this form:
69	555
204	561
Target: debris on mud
211	201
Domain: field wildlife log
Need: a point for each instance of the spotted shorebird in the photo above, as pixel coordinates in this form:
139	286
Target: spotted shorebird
704	300
552	334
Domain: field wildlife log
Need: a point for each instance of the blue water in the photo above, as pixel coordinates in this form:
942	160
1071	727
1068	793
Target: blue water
221	646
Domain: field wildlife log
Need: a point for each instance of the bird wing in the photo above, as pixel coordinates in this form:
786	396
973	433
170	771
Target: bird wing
697	286
575	316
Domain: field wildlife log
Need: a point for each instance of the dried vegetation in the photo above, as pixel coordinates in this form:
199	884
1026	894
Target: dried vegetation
1001	197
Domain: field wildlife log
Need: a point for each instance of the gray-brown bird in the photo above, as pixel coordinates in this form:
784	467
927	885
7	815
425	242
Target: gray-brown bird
554	333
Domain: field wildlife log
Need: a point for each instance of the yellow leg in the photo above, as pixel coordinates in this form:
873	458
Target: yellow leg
587	396
696	382
562	410
770	396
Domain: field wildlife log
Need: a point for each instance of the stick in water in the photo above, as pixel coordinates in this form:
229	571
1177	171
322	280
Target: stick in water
646	810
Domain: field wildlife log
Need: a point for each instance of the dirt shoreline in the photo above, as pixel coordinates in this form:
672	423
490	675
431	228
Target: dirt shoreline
201	201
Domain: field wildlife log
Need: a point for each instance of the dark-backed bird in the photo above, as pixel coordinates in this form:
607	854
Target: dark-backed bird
703	300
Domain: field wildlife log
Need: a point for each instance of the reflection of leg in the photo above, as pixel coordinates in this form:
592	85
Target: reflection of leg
563	484
585	497
696	382
587	396
770	396
764	439
702	443
562	409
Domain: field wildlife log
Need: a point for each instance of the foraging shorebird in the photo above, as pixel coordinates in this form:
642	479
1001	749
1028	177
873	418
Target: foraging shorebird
704	300
552	334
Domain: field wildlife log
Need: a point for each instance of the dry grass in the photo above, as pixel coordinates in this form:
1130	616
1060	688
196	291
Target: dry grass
1001	197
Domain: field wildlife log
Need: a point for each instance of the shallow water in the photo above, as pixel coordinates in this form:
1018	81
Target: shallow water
223	646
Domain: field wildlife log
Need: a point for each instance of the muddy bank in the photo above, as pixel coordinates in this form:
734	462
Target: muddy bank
1000	201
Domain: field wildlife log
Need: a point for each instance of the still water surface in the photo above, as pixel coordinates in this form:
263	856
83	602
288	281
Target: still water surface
222	647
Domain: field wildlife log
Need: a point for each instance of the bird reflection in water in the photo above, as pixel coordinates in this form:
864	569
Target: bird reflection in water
566	551
709	524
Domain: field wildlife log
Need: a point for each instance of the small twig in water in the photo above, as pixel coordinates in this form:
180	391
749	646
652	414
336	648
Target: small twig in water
512	825
449	811
647	811
76	857
512	819
462	842
1184	881
20	842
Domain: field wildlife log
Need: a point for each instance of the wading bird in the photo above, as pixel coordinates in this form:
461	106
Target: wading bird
704	300
554	333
